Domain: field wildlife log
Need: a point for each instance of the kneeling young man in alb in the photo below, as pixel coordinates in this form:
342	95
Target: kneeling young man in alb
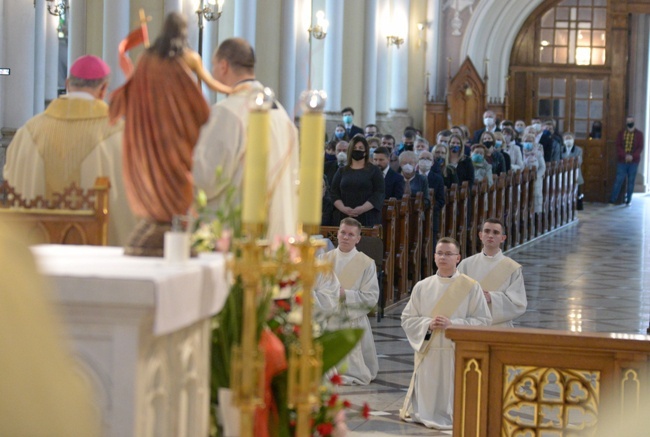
500	277
359	293
437	302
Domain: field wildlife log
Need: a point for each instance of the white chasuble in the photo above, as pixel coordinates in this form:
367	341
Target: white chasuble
432	401
509	296
361	295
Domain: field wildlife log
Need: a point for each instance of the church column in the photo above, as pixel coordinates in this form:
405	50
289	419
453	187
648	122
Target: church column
40	10
76	30
51	57
333	71
116	28
245	19
370	64
210	44
383	18
432	38
173	6
302	17
399	69
287	92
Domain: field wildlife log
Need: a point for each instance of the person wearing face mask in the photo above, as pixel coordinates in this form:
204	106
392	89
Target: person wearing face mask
372	130
340	159
534	157
420	145
440	160
357	189
492	156
459	161
393	181
570	150
351	129
520	125
482	169
408	142
499	144
629	145
414	182
490	122
330	151
434	179
340	134
511	148
543	138
373	142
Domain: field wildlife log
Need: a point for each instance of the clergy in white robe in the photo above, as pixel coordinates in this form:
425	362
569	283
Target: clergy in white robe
359	293
500	277
223	142
72	141
444	299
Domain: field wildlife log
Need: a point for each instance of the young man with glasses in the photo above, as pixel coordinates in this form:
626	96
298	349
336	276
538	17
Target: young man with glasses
446	298
501	278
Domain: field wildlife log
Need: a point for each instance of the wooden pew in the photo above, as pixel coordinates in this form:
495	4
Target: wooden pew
402	247
429	237
566	175
463	217
559	196
389	225
532	217
481	212
515	233
473	236
443	220
507	210
524	203
500	198
492	197
549	196
451	205
572	189
76	216
416	237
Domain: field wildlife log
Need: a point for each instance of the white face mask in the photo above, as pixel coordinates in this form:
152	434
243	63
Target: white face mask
342	157
568	143
424	165
538	127
407	168
488	121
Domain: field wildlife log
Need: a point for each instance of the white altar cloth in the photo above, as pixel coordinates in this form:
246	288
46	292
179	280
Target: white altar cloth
180	293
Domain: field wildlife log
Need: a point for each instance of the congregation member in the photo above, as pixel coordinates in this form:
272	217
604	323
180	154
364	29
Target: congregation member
543	138
330	151
372	130
374	143
393	181
331	167
340	134
520	126
388	141
499	147
443	137
437	302
420	145
358	188
534	157
414	182
74	142
434	179
359	293
500	277
408	141
490	122
629	145
556	140
482	169
571	150
351	129
441	159
459	161
512	149
223	139
492	157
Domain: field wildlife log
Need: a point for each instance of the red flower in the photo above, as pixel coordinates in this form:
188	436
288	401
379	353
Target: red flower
299	300
283	305
296	329
336	379
365	412
333	400
347	404
325	429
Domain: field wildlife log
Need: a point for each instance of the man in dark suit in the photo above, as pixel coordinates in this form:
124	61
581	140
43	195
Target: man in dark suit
414	182
393	182
350	128
331	167
543	137
490	122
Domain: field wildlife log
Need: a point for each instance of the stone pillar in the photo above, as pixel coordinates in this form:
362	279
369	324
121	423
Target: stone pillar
287	92
333	71
51	57
40	11
303	12
245	19
432	38
173	6
77	31
116	27
370	64
399	68
383	86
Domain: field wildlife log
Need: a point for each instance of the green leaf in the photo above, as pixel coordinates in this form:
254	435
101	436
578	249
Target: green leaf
337	344
201	199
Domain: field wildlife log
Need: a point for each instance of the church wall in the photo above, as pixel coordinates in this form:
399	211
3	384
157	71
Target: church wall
268	42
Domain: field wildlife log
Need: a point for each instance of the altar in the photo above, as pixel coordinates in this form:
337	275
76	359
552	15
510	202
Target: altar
141	332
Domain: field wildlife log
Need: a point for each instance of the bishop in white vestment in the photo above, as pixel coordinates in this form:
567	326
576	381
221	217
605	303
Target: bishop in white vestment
500	277
359	294
444	299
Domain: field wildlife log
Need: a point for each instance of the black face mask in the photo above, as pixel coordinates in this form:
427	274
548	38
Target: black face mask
408	146
488	144
630	125
358	155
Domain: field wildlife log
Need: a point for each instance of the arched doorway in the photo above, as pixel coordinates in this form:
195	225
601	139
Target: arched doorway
569	63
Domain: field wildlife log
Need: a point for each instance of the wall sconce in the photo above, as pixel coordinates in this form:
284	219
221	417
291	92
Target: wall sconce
57	9
421	37
319	30
208	10
394	40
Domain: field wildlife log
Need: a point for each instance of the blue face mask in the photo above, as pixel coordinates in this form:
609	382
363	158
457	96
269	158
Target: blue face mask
528	146
339	135
498	144
440	161
477	158
347	119
455	149
372	150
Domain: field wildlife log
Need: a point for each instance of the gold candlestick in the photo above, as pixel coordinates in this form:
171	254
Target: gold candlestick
306	360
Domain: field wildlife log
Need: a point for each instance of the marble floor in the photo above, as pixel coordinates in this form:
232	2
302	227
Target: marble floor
593	276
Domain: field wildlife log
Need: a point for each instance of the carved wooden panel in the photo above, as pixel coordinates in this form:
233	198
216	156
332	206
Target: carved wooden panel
467	97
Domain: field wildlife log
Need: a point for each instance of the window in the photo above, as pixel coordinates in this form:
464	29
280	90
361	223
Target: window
574	32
